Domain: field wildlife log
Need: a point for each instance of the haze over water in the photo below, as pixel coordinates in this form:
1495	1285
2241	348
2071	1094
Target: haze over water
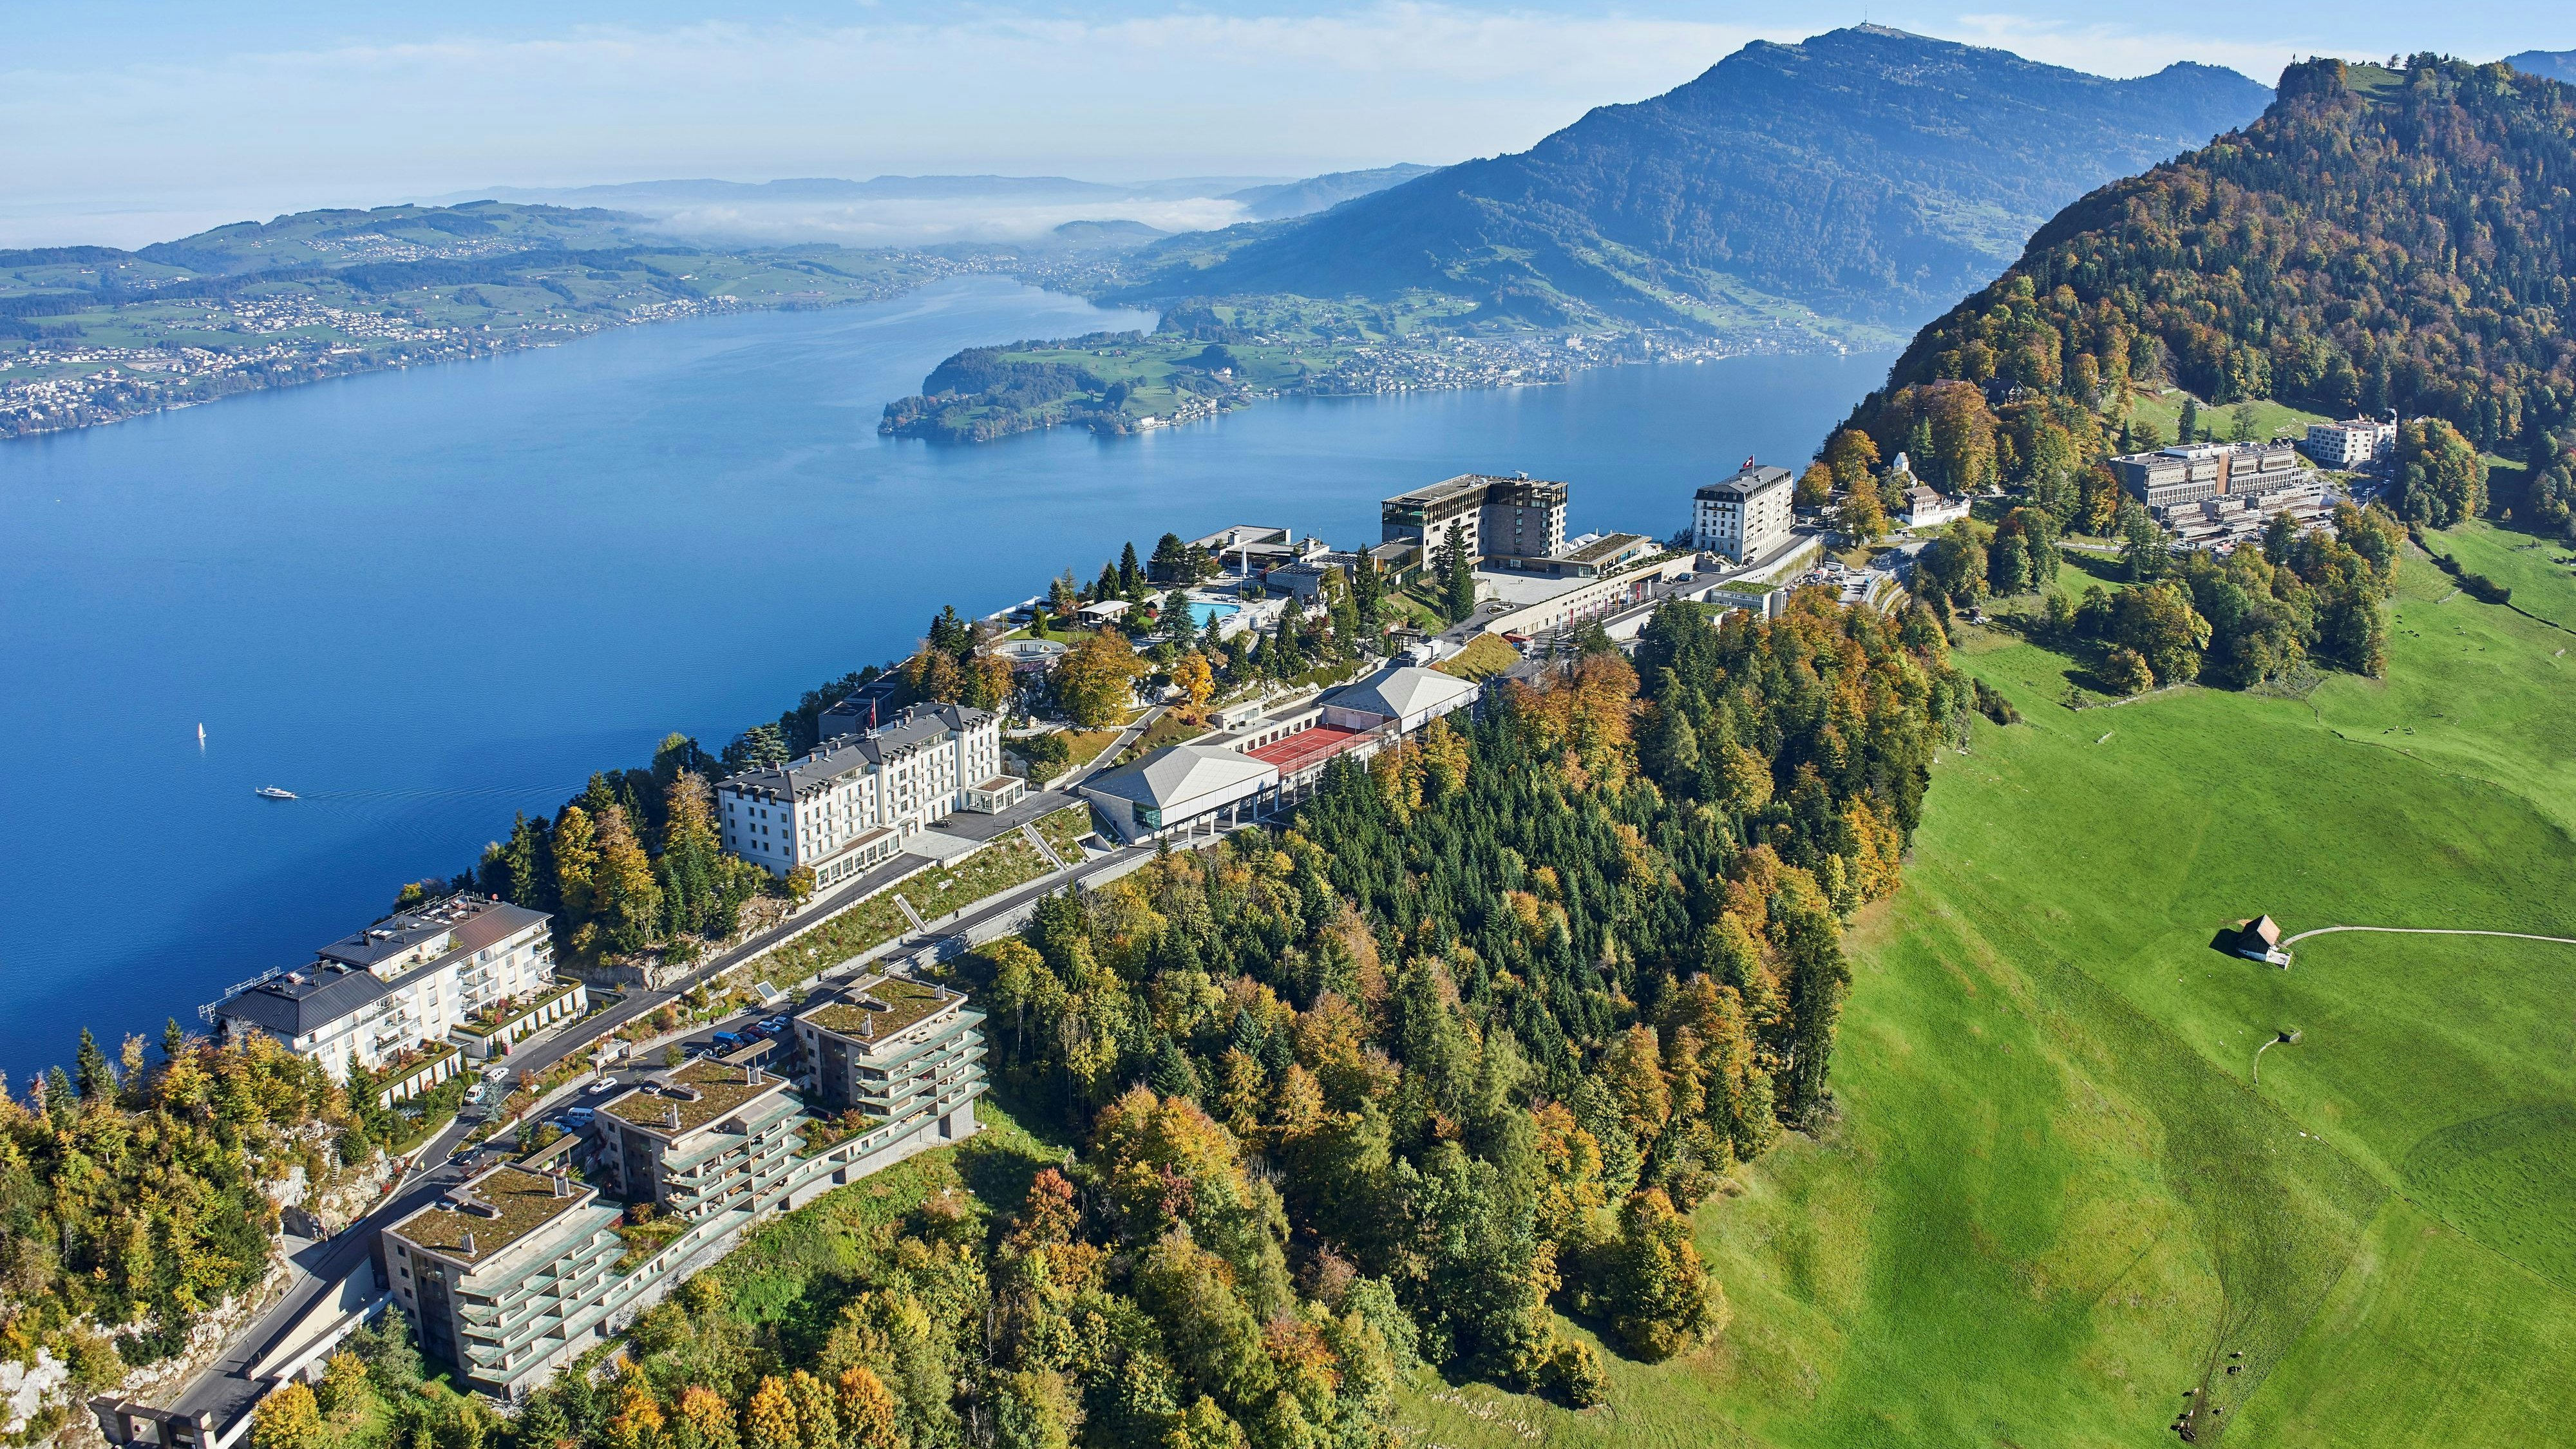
424	600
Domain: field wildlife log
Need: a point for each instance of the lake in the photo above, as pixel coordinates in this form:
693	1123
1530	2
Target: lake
425	600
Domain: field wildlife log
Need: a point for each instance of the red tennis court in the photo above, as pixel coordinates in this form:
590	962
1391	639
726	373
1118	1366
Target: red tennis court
1307	748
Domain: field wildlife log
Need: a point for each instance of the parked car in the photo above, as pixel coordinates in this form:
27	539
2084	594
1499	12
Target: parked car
579	1116
728	1038
604	1084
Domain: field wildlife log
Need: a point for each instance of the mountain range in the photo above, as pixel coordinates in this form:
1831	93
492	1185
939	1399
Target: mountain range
2557	65
1865	176
931	210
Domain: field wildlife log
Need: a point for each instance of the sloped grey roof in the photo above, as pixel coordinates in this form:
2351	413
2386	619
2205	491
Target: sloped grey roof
913	726
477	921
1745	482
1402	690
304	1001
1180	772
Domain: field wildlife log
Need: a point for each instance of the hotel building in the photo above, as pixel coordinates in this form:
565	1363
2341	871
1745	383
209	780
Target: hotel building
853	801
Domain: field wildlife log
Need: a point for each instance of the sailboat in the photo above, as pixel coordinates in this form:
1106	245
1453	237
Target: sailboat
201	737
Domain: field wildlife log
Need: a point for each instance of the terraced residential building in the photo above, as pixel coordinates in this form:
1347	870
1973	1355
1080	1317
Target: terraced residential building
706	1137
513	1273
523	1267
903	1057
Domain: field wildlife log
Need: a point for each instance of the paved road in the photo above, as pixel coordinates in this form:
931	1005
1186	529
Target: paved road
2427	931
223	1391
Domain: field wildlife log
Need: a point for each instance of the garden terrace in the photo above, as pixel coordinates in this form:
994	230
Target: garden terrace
713	1089
500	1016
521	1203
881	1009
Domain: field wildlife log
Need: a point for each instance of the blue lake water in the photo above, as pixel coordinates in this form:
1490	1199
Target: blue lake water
424	600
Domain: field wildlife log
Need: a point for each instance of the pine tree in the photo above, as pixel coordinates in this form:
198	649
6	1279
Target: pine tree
1456	568
1171	1074
97	1079
1130	578
690	865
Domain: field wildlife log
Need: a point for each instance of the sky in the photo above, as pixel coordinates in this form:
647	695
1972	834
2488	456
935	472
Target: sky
129	121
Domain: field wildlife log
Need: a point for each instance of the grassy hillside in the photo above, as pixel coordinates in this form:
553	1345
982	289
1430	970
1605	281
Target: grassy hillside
2056	1199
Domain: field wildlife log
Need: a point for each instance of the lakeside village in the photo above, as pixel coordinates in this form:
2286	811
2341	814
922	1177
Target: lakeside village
285	340
615	1191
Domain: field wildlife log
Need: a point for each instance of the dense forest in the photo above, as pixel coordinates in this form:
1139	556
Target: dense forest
134	1192
1451	1053
2379	240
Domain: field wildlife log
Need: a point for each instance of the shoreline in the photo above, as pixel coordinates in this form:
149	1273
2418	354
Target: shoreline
1561	365
140	396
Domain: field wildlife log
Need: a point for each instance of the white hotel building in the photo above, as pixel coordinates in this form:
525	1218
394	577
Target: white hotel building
415	979
1744	516
852	802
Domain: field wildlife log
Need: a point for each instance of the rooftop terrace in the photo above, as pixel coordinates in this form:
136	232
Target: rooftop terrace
701	1092
876	1010
522	1201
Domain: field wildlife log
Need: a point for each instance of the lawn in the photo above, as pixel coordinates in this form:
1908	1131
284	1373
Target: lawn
1485	656
2268	418
2055	1200
1007	863
788	1270
1061	828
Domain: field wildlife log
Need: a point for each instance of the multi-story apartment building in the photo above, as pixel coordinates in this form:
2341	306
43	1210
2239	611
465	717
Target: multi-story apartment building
1743	516
1497	517
2190	472
522	1267
908	1055
853	801
2356	443
469	968
708	1136
510	1275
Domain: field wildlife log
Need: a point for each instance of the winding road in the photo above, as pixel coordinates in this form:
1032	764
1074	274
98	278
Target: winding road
2426	931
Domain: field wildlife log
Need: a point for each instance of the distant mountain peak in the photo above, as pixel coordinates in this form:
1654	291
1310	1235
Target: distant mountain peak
1868	174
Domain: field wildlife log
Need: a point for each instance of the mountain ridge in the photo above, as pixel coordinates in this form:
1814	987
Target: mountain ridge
1865	173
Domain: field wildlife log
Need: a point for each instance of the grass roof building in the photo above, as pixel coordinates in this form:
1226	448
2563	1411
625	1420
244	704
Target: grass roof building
523	1267
900	1062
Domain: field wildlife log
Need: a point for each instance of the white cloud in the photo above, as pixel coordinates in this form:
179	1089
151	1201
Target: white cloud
927	223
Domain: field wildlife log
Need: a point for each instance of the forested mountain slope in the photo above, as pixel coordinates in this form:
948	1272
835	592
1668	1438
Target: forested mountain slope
1866	173
2377	240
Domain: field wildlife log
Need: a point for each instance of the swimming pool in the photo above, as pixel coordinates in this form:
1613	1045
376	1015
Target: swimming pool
1201	613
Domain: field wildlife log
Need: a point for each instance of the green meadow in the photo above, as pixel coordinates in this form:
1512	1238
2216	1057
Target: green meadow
2059	1207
